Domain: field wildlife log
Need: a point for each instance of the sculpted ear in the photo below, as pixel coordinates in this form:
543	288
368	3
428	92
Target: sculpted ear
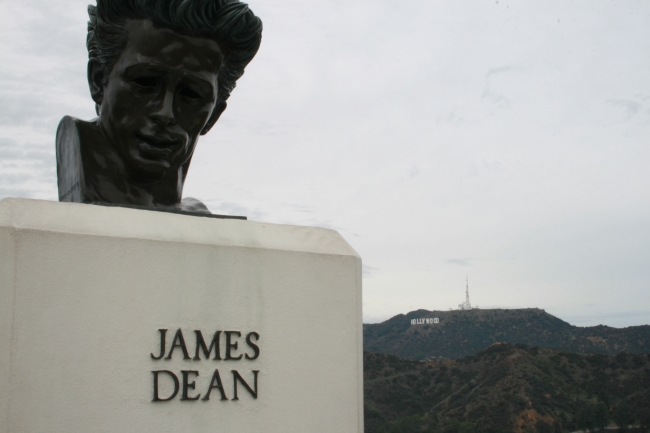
96	82
216	113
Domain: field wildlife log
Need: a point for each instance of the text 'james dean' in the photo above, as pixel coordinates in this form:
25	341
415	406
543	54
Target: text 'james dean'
185	382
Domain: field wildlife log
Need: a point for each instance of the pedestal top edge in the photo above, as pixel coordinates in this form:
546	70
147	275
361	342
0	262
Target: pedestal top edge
84	219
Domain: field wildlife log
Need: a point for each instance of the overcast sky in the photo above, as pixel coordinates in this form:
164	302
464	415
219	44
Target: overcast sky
506	141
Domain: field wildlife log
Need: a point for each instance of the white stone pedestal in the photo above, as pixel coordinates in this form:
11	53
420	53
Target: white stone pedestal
84	291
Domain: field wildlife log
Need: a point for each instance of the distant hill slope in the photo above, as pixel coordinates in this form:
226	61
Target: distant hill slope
504	388
464	333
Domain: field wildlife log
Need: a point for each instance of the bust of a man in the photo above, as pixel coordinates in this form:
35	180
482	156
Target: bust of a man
160	72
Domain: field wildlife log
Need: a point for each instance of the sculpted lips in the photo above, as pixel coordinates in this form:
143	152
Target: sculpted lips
157	146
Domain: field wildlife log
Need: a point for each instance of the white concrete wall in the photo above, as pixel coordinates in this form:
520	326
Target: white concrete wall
89	287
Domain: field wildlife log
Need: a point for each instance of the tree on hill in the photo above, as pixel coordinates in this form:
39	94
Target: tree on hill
644	422
601	415
543	427
622	416
593	416
586	420
455	426
409	424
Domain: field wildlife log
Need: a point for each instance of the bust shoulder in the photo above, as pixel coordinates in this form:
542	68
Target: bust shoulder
90	171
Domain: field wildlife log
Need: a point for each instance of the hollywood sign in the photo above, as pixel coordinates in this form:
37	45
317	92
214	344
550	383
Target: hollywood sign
425	321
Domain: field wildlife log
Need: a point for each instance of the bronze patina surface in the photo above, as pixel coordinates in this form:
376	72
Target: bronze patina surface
160	73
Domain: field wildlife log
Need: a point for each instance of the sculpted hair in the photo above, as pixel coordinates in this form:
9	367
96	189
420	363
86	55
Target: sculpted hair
229	22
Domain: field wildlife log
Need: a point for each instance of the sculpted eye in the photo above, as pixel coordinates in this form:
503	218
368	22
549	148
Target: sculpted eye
147	82
189	93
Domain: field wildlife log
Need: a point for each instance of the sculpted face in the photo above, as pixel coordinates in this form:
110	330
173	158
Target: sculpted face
159	97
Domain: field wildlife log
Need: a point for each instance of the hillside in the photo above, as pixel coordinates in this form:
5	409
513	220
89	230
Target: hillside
503	388
464	333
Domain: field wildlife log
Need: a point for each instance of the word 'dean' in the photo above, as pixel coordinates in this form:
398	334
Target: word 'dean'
425	321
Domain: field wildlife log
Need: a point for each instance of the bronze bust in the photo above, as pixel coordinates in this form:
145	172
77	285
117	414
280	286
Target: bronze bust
160	72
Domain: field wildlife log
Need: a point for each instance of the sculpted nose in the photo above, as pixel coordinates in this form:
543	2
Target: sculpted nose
163	113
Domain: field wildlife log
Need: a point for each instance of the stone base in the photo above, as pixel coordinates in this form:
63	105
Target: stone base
86	293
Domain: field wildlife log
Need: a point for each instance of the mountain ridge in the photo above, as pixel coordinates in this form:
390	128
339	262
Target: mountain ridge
504	388
462	333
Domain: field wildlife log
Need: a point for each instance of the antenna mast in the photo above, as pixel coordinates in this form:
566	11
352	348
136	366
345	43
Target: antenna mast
466	305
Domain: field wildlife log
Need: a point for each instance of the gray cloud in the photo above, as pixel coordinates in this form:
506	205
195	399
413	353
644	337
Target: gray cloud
369	271
631	107
459	262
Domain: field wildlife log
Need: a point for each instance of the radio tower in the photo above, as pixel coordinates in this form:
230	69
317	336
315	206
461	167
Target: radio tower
466	305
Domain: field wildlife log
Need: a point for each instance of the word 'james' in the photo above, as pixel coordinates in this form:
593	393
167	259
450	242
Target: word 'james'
231	352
